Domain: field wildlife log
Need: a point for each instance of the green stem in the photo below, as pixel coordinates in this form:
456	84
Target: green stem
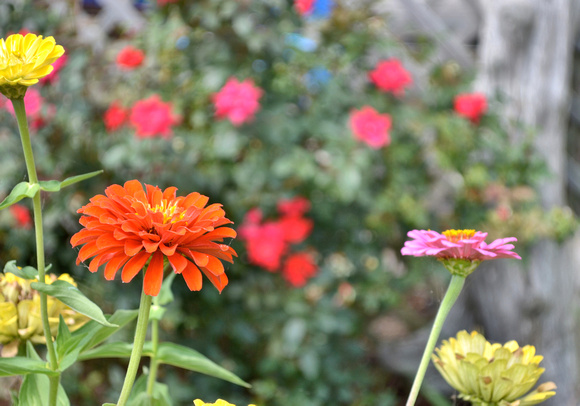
154	364
20	113
140	333
453	291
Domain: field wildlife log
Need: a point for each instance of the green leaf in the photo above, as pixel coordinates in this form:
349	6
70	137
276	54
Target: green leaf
187	358
167	353
139	396
55	185
109	404
63	335
27	272
23	366
20	191
34	391
74	298
156	312
94	333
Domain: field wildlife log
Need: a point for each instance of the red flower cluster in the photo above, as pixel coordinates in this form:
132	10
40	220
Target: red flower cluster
471	106
132	225
391	76
130	58
237	101
304	7
268	242
150	117
370	127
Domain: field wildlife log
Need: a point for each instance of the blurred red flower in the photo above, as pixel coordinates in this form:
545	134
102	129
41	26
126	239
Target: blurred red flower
370	127
152	118
471	106
22	216
130	57
298	268
115	116
391	76
296	206
304	7
237	101
131	225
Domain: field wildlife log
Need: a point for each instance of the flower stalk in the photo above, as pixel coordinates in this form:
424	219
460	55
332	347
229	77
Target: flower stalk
154	364
140	333
453	291
20	112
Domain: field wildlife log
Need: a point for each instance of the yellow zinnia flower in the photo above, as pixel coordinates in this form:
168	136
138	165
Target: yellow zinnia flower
219	402
24	60
20	318
488	374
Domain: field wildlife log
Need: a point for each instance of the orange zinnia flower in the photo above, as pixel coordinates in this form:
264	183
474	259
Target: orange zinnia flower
130	225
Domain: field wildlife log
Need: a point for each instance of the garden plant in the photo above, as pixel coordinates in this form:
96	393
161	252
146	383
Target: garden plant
287	145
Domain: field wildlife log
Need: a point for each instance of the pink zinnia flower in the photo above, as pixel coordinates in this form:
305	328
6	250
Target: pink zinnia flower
304	7
237	101
460	251
115	117
298	268
471	105
152	118
371	127
32	103
130	57
391	76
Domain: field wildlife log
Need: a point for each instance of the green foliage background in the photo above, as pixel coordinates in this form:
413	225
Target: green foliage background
309	346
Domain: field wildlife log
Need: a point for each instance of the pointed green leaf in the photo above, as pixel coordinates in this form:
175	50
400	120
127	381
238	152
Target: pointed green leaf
23	366
62	336
94	333
55	185
109	404
165	295
31	352
20	191
34	391
74	298
27	272
139	396
187	358
117	349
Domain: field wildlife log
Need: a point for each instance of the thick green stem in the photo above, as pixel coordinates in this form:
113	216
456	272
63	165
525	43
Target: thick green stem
453	291
140	333
154	364
20	112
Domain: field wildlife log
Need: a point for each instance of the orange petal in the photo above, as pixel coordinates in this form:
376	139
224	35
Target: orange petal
168	251
88	250
219	282
84	236
192	276
215	266
133	186
134	265
113	266
199	258
101	259
150	246
178	262
154	275
132	247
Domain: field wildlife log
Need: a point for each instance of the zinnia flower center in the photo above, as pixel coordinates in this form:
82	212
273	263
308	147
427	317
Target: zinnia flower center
171	212
458	235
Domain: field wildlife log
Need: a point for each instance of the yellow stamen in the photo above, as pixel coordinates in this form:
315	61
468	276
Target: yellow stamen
171	212
458	235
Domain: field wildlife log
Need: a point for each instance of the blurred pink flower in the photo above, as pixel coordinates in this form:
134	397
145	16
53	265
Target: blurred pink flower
391	76
115	116
237	101
152	118
304	7
53	77
296	206
458	244
32	102
371	127
471	105
267	247
130	57
298	268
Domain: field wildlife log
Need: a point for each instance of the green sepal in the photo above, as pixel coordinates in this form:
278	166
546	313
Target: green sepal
27	272
73	298
55	185
20	191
